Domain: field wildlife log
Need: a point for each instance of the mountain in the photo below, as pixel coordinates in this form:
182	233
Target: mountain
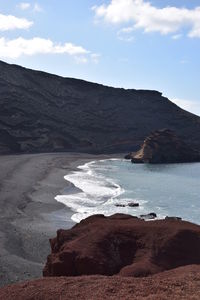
41	112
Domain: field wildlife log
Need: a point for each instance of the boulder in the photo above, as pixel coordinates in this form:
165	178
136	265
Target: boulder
123	245
163	146
149	216
173	218
133	204
129	155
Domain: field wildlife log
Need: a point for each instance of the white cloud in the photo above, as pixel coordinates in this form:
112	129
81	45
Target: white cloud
27	5
126	30
125	35
15	48
177	36
144	15
189	105
24	5
81	59
9	22
37	7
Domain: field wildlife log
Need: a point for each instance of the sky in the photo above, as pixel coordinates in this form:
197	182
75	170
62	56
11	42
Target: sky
123	43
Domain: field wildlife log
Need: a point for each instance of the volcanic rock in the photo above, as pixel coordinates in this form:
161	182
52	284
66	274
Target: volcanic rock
173	218
149	216
163	146
133	204
41	112
178	284
129	155
123	245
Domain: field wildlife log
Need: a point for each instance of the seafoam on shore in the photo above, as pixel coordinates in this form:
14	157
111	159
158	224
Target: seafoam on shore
97	193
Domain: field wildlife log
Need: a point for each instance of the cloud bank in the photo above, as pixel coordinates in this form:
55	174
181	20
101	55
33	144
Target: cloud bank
24	5
27	5
9	22
144	15
15	48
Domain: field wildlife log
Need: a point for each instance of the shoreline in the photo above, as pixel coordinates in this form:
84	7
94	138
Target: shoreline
29	214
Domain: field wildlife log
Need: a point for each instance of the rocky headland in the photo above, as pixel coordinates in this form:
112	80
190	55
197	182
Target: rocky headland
123	245
41	112
118	257
164	146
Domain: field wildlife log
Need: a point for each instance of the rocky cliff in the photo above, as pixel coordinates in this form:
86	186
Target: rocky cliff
123	245
125	248
163	146
41	112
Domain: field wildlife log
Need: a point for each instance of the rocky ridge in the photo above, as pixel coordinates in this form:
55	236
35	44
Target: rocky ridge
41	112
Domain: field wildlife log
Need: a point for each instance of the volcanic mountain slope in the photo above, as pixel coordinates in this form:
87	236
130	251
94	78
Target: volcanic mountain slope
41	112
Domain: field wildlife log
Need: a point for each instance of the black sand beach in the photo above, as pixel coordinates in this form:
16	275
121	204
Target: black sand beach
29	214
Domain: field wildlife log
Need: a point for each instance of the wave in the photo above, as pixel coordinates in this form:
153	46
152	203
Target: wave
97	194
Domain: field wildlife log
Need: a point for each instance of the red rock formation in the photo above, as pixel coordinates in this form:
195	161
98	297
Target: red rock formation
123	245
163	146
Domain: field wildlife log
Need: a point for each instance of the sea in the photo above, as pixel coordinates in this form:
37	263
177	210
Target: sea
102	185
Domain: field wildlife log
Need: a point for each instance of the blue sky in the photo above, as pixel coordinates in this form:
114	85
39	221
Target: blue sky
124	43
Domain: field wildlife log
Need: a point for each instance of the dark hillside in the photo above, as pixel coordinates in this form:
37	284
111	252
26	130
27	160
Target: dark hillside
41	112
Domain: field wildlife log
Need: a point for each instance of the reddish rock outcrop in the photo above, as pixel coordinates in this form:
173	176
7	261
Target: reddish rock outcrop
123	245
178	284
163	146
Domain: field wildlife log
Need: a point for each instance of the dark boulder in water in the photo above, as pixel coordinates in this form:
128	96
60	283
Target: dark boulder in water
129	155
163	146
149	216
133	204
123	245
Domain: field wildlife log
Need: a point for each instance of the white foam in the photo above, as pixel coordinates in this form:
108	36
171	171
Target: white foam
97	196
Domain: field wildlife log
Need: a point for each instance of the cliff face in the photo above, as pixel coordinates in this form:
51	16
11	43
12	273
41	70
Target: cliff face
123	245
42	112
163	146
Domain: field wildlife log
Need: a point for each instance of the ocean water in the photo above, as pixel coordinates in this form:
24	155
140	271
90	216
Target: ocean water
167	190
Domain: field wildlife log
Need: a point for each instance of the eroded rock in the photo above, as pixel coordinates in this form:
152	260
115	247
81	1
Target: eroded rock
123	245
163	146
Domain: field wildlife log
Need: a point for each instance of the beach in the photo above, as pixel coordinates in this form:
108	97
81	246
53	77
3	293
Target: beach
29	214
